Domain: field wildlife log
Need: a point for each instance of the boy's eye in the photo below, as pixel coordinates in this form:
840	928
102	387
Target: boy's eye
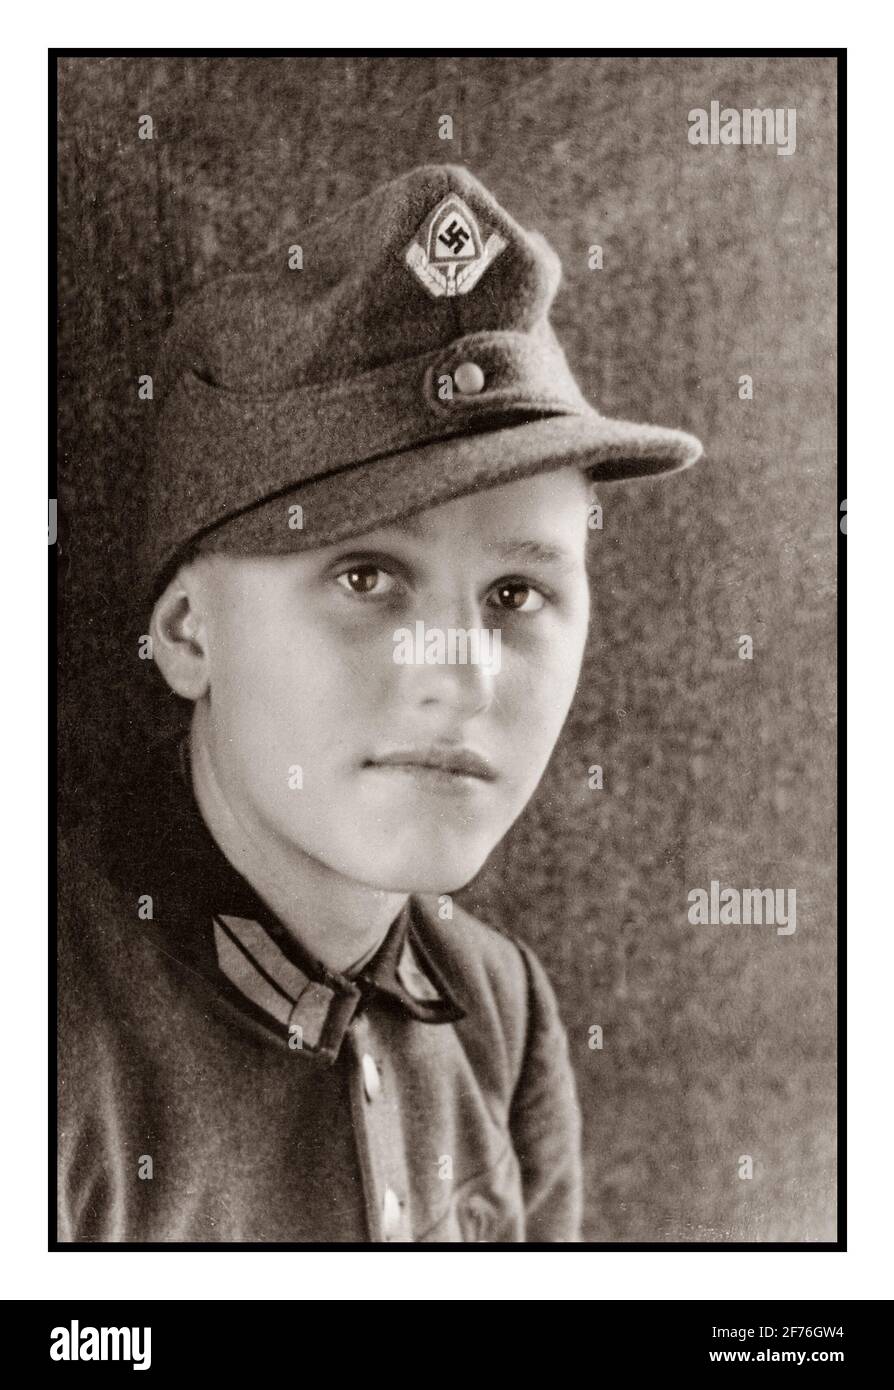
364	579
370	580
519	597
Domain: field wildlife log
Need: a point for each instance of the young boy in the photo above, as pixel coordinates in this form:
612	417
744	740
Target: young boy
367	560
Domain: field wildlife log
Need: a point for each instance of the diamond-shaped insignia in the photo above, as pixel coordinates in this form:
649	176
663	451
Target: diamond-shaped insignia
448	254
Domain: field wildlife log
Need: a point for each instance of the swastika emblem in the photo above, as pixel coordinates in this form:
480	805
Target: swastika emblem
448	254
456	239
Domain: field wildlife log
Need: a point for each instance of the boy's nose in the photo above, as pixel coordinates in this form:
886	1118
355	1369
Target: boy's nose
456	659
466	689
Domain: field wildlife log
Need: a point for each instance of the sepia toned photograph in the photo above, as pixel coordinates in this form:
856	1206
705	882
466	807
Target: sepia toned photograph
446	534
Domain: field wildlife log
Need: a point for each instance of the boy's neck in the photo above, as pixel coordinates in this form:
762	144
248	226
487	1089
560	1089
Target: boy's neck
337	920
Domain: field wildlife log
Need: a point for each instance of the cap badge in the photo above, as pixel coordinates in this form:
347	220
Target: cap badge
448	253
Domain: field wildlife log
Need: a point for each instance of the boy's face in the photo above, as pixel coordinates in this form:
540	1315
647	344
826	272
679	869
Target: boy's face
302	674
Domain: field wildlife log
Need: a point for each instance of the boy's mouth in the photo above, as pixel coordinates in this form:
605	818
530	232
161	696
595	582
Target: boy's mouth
446	759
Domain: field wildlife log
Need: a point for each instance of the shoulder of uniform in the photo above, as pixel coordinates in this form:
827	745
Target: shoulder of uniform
85	888
474	947
492	973
511	1012
95	918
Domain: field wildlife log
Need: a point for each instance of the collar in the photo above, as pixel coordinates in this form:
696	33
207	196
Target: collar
225	930
314	1010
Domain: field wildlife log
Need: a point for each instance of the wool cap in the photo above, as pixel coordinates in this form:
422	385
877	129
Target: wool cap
399	357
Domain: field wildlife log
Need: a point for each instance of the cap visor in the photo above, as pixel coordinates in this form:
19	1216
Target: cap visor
373	493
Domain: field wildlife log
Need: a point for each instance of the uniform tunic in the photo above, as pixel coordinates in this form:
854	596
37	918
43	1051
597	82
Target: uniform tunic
218	1084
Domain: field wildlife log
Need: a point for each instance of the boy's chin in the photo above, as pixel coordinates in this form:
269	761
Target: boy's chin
425	872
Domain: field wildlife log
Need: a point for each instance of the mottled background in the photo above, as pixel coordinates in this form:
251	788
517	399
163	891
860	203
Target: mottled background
718	1041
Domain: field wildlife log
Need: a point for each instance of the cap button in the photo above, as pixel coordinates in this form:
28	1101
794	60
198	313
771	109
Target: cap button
469	378
391	1215
372	1081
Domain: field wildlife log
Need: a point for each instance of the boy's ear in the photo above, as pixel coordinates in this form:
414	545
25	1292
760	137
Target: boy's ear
179	636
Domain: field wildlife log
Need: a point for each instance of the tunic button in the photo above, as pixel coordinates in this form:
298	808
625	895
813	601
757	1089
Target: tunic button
469	378
372	1082
390	1214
